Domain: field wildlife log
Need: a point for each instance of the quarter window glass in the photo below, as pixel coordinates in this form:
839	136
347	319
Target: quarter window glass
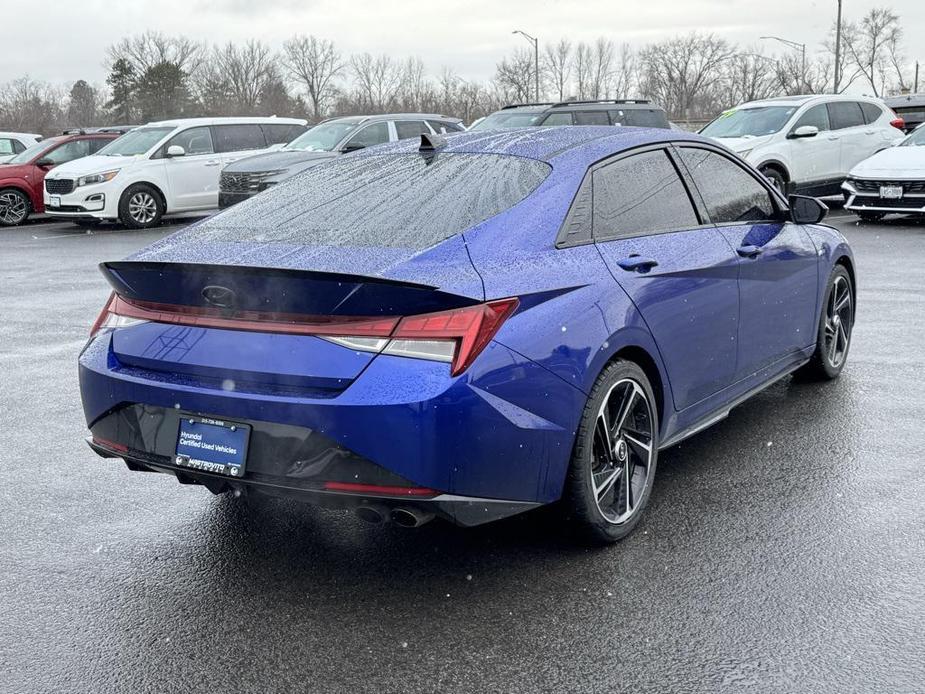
371	135
6	147
645	118
592	118
730	193
558	119
845	114
817	116
194	141
238	138
69	151
18	146
871	112
281	134
640	195
407	129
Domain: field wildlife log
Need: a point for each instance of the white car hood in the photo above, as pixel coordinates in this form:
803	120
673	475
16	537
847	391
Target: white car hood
895	162
740	144
95	163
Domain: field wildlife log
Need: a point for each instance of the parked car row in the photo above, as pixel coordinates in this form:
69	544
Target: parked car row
12	144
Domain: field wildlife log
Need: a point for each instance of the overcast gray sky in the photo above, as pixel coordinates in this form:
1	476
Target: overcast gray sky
64	41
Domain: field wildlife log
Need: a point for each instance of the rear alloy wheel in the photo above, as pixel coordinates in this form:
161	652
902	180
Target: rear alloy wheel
835	325
14	207
613	466
140	207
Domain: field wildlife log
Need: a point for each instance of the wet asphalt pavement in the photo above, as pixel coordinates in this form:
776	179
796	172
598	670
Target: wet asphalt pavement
783	549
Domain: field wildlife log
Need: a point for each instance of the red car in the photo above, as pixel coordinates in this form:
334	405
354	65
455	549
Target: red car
22	177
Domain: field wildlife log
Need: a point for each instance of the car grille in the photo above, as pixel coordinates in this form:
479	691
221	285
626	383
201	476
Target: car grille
907	204
871	186
59	186
242	182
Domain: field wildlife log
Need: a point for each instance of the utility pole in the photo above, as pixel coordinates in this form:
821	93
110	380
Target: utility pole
838	48
916	90
536	58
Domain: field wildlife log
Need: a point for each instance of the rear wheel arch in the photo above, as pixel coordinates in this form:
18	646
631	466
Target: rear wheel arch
645	361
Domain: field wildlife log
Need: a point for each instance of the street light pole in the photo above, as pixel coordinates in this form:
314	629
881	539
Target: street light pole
794	44
838	48
536	58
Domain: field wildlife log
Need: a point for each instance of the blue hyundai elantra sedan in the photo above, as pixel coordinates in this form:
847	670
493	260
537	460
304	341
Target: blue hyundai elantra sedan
467	327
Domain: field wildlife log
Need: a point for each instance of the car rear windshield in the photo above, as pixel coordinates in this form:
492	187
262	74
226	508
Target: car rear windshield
400	201
750	122
135	142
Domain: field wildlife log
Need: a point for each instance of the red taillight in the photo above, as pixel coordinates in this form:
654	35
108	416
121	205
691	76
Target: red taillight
898	123
457	336
472	327
103	315
378	490
111	445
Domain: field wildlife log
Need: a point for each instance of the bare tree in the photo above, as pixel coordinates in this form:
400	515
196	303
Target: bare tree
623	76
601	68
683	74
514	76
582	64
377	81
557	66
31	106
873	46
151	48
315	64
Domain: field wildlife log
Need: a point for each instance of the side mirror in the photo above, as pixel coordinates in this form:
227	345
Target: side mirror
804	131
352	147
175	151
45	163
807	210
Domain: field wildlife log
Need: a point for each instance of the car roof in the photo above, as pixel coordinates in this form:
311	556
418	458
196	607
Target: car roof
801	99
582	105
392	116
227	120
10	133
905	100
591	142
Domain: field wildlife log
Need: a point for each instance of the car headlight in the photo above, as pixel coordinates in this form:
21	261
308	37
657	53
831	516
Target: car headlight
744	153
91	179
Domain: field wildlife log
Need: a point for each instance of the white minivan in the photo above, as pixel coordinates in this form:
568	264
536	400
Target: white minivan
807	144
159	168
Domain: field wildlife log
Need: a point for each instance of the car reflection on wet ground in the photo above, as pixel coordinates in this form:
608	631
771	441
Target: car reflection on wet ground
783	549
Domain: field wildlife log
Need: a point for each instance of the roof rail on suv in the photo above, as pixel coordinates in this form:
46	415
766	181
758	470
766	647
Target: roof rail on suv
537	103
105	129
603	101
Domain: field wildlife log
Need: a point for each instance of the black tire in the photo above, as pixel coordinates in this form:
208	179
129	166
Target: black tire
15	207
598	516
776	178
140	207
871	216
827	362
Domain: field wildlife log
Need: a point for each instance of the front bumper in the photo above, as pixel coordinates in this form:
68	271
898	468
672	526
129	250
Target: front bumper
868	201
82	203
226	199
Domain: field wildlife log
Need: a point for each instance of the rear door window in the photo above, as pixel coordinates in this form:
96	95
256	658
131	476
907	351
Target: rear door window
845	114
639	195
238	138
6	146
407	129
393	200
730	193
591	118
558	118
645	118
278	134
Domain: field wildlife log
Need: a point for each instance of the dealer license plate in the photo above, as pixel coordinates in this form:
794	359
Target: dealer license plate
212	445
891	192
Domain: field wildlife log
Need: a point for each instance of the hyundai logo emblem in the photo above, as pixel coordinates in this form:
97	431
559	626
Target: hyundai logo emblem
222	297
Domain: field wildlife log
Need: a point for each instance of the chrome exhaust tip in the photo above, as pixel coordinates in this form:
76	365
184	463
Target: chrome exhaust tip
410	517
374	515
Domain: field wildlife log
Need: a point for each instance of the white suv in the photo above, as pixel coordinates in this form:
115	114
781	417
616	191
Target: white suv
811	142
159	168
12	144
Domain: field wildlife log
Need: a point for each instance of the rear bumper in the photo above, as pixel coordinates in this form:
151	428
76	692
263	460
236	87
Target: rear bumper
503	431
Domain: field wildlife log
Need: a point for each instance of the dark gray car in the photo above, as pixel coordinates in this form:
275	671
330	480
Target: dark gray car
331	138
630	112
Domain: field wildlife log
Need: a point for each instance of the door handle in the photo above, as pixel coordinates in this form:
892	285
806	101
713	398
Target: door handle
748	251
637	263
